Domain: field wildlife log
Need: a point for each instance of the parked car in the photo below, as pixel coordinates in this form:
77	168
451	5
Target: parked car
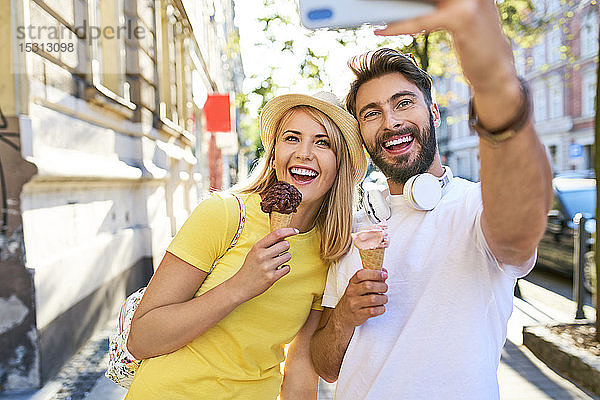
572	195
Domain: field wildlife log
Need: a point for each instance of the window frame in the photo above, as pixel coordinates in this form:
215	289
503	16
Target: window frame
97	46
588	42
588	92
556	92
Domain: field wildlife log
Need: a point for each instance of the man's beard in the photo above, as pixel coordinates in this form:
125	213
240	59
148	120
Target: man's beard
399	171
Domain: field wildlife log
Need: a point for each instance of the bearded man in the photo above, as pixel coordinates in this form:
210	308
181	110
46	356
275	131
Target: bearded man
432	323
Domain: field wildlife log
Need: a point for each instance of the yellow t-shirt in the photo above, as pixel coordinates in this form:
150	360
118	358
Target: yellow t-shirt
239	357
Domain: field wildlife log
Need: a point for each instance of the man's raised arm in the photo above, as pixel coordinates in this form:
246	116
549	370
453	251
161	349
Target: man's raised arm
515	174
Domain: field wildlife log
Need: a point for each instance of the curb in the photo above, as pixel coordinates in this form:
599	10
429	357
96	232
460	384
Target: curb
562	356
105	389
48	392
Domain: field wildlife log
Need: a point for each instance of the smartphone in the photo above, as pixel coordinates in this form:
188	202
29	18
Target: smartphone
315	14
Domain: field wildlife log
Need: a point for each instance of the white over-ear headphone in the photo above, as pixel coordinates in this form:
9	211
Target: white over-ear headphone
423	192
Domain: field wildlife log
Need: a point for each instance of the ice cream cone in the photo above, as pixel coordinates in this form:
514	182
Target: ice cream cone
278	220
372	258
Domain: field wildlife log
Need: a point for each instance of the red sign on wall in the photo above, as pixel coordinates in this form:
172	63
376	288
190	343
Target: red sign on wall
217	113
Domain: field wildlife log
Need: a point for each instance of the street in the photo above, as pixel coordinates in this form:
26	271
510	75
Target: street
545	298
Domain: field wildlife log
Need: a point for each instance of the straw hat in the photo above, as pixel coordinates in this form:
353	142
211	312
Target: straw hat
328	104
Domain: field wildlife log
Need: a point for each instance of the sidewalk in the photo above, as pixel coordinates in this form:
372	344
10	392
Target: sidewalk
521	375
79	377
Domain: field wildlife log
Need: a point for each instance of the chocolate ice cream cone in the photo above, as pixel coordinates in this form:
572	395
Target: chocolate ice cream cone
372	258
278	220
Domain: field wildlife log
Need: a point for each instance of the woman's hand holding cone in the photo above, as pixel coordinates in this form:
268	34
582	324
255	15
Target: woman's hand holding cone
264	264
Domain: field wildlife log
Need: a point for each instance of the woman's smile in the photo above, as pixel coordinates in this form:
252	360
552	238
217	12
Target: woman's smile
303	175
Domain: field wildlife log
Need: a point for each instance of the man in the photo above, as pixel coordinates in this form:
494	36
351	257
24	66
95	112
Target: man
434	328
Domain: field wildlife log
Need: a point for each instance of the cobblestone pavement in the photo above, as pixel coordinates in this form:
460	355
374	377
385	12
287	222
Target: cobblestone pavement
77	378
80	375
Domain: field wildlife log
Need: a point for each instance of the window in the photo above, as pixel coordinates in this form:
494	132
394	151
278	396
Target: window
539	5
464	91
539	101
52	26
588	93
464	125
462	166
588	36
175	85
539	53
108	47
168	64
439	86
554	43
450	123
556	97
458	125
442	132
588	156
444	97
552	155
148	82
553	6
460	90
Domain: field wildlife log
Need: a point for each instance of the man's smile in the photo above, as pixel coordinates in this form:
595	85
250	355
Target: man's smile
398	144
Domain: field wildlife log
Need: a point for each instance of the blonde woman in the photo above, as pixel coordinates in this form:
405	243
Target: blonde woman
221	334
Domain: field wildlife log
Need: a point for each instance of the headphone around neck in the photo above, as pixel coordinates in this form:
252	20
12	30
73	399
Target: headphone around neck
423	192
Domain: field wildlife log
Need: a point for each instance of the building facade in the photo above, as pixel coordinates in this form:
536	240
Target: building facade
561	71
103	156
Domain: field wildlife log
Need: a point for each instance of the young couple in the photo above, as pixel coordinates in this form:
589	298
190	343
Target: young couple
430	326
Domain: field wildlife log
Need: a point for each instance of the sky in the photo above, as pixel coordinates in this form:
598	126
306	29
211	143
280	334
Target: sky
257	59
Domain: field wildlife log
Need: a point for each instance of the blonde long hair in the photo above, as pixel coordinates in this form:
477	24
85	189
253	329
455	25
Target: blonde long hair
334	220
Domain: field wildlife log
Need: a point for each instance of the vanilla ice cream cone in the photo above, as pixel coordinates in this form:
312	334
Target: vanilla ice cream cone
372	258
278	220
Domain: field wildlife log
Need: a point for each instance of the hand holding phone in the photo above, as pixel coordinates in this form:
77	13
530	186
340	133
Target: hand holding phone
316	14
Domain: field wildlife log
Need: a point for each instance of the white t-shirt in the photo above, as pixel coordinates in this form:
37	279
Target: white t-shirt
449	301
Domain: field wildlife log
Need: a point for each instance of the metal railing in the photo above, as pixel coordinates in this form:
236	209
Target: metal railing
580	247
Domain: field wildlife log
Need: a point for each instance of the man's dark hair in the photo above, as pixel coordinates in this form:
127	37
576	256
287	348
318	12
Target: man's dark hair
374	64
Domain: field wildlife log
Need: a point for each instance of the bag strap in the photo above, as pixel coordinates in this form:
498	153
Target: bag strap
241	220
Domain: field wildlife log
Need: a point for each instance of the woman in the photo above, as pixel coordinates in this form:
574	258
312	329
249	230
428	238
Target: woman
221	335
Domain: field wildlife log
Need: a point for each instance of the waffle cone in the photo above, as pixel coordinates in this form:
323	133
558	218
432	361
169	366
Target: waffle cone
372	258
278	220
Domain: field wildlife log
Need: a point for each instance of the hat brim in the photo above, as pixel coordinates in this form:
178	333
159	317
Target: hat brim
275	108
